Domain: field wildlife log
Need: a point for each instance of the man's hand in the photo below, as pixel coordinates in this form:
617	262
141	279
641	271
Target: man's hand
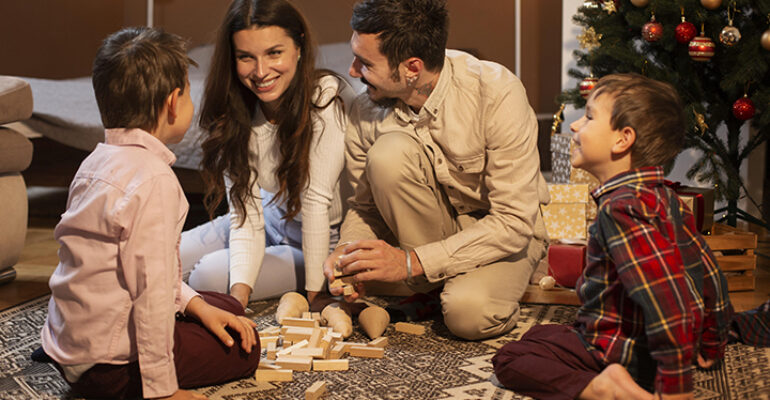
216	320
329	264
370	260
241	292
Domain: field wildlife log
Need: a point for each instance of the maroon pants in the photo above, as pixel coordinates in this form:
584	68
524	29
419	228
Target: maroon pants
201	359
548	362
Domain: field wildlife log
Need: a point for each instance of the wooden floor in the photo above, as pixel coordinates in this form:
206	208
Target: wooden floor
39	259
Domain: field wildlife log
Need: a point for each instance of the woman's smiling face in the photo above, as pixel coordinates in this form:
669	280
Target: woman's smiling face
266	59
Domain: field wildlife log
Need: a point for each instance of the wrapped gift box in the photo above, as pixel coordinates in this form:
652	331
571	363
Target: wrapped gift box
565	217
566	263
568	193
578	175
565	220
560	156
701	202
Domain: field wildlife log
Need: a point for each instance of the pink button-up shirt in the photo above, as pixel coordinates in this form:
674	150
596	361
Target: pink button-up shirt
118	284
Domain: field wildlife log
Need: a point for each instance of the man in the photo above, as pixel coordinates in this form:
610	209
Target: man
442	155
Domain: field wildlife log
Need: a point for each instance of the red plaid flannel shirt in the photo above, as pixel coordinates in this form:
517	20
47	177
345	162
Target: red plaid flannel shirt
652	293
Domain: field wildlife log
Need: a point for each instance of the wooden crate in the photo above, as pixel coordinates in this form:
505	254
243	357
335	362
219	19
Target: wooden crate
734	251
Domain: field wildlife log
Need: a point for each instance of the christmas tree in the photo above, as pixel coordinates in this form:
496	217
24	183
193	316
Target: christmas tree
716	53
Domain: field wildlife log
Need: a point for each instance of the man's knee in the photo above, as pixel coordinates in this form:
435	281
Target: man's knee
472	316
388	159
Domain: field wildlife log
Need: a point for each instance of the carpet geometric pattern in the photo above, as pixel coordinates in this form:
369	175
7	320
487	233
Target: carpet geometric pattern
433	366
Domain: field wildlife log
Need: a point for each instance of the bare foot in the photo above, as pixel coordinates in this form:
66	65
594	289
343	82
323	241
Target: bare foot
614	383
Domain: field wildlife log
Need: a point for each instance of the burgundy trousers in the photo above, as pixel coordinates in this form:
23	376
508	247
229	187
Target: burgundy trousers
548	362
201	359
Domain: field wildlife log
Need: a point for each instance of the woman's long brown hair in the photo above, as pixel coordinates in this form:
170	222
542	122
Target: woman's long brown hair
229	108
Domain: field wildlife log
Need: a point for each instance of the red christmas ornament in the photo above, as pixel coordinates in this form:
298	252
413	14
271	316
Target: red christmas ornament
743	108
587	85
685	32
701	48
652	31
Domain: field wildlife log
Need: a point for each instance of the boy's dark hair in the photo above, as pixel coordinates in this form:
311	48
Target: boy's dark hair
406	28
134	71
653	109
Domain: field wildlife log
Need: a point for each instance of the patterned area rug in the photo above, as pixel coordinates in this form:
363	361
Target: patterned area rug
434	366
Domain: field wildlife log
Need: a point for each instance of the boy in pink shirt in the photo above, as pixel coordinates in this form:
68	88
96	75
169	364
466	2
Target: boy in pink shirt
121	323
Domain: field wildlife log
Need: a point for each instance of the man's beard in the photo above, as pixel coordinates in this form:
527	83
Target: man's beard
384	102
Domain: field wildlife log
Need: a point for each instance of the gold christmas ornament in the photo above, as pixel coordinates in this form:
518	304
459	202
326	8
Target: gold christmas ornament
609	6
640	3
589	39
711	4
700	120
730	35
766	40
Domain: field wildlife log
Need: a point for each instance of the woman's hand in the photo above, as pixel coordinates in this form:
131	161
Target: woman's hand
241	292
216	320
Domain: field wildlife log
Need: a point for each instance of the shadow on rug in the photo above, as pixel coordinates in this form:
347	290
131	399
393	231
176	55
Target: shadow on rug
434	366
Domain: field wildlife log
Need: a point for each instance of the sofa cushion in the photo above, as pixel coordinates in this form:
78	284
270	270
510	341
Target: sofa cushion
15	151
15	99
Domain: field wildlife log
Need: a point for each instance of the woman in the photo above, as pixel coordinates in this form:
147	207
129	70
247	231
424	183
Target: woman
275	146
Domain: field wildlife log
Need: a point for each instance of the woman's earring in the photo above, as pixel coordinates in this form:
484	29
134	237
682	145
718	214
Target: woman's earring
299	56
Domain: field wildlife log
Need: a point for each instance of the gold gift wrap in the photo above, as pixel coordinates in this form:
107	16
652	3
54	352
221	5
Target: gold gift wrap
568	192
565	220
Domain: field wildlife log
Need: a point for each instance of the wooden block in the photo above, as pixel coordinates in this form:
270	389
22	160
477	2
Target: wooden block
274	375
338	350
315	339
315	391
317	316
315	352
336	336
367	352
264	341
297	333
307	323
271	350
331	365
381	341
267	364
271	331
294	363
287	350
337	283
307	315
347	290
406	327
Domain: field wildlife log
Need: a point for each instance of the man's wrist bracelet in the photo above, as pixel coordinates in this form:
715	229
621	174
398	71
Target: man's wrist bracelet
408	265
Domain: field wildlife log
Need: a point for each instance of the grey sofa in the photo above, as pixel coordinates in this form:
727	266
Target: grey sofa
15	156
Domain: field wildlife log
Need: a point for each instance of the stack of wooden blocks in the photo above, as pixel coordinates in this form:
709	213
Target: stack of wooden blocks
303	344
734	251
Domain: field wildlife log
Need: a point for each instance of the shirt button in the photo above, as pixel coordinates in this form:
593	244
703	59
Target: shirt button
440	161
460	167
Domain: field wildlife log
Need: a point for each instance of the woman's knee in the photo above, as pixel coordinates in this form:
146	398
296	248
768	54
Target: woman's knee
211	273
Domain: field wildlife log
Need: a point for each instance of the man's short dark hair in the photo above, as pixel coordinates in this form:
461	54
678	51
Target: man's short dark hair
655	111
406	28
134	71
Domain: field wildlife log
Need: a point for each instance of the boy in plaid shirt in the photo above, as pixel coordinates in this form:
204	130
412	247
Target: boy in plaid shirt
654	300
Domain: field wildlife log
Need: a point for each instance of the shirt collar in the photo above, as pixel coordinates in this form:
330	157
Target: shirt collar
647	176
435	99
140	138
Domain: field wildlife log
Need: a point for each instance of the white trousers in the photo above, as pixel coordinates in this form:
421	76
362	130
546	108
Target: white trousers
206	257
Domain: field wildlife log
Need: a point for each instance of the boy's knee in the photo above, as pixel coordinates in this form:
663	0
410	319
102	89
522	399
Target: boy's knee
387	157
473	317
